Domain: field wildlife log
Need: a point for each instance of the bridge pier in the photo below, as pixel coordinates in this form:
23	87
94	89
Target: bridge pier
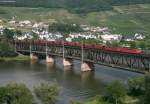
131	61
50	59
87	66
33	56
67	62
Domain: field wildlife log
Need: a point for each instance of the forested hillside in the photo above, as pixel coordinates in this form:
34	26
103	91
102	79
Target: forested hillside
76	5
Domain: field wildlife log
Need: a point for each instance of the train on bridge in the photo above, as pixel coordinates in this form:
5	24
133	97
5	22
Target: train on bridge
86	46
89	54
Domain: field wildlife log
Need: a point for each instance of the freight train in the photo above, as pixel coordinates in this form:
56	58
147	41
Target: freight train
87	46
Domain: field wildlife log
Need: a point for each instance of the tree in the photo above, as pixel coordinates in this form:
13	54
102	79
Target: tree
148	46
35	36
15	94
47	93
136	86
142	45
115	91
18	33
19	94
133	44
108	43
6	49
115	44
64	29
147	89
8	34
2	95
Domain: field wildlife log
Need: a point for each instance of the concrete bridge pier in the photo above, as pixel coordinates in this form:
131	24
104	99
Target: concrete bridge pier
33	56
67	62
50	59
87	66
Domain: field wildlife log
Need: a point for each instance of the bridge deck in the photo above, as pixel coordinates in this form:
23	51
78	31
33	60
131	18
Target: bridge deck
137	62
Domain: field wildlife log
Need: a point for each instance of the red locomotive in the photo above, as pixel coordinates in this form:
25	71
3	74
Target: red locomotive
105	48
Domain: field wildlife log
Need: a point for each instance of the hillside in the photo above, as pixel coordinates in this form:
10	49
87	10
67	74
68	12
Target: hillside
122	19
76	5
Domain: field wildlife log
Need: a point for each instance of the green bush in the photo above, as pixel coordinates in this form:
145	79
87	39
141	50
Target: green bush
136	86
15	94
6	49
47	93
147	89
115	92
2	95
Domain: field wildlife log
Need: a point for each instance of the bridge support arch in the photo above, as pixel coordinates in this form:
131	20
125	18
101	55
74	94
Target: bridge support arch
87	66
50	59
33	56
67	62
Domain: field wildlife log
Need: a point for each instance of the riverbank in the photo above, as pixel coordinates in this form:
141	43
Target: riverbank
17	58
73	83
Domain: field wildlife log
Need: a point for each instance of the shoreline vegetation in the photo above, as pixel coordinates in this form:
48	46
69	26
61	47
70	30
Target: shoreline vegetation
16	58
135	91
19	93
7	48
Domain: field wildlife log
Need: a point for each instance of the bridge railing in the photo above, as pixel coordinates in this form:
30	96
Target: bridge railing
139	62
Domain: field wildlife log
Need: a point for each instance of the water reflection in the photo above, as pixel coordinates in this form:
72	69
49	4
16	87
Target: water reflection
74	84
50	67
68	68
32	62
87	76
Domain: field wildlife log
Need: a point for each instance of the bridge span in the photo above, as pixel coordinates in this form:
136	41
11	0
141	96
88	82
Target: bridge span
88	56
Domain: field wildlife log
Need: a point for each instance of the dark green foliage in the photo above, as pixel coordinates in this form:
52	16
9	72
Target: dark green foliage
108	43
6	49
138	93
142	45
133	44
79	6
2	95
88	41
115	91
136	86
2	11
64	28
19	94
99	100
35	36
85	6
15	94
18	33
147	89
47	93
8	34
140	87
115	44
75	102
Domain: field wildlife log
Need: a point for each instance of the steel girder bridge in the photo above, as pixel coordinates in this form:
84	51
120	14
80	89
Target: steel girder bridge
132	62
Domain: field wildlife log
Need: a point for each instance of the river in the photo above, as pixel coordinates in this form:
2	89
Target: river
74	84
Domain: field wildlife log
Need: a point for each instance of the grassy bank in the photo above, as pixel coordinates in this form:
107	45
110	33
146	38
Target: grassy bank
17	58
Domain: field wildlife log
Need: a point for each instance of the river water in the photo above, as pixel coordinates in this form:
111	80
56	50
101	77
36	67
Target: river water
74	84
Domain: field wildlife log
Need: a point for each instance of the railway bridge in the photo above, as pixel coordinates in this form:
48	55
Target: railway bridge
88	55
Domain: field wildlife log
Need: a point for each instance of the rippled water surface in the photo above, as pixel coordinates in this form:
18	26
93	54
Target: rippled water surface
74	84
